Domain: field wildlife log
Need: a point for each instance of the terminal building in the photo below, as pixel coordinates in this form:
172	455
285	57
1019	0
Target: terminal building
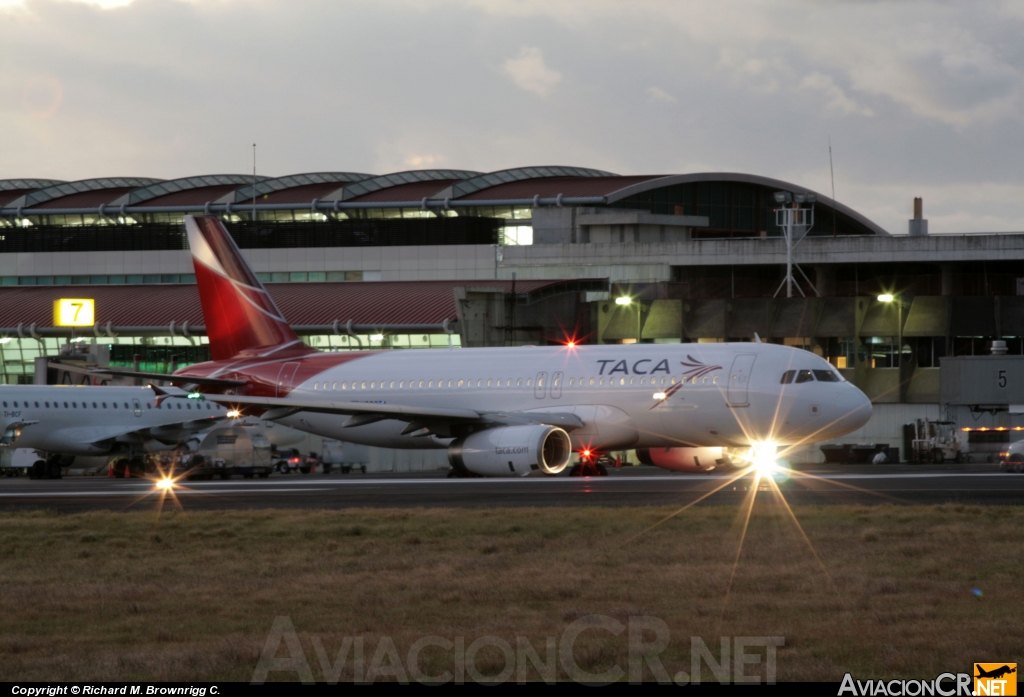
533	255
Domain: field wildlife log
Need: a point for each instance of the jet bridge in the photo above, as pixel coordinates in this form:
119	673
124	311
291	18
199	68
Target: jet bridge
984	383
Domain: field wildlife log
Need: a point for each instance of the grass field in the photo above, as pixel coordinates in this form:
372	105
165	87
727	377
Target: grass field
887	592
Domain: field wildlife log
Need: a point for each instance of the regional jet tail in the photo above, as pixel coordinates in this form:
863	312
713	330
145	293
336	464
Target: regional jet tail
509	411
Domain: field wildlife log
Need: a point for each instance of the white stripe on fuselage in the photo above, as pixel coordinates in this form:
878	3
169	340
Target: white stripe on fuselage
702	412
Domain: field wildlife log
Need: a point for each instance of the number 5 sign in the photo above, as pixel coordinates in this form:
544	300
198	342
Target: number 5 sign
74	312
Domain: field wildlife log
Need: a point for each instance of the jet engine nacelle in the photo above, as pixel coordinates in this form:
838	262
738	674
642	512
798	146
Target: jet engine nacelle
511	451
684	459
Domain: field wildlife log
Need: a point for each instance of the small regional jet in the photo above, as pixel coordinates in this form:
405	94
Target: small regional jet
512	411
68	420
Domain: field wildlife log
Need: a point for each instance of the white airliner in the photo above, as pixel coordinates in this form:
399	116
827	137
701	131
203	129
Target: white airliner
511	411
69	420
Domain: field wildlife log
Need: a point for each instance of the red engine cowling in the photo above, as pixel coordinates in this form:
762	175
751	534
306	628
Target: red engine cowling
684	459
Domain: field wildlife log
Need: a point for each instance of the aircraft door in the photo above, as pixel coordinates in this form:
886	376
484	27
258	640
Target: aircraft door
137	407
556	385
285	378
540	386
739	380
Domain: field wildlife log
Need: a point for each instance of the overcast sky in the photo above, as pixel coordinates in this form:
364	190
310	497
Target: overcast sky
919	98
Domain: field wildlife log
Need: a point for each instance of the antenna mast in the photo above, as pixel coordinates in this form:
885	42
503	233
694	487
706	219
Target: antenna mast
254	185
832	172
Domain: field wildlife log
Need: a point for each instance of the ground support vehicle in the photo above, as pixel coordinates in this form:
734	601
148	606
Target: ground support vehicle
935	442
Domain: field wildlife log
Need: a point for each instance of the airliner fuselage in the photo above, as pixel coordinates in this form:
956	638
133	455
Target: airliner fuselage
649	395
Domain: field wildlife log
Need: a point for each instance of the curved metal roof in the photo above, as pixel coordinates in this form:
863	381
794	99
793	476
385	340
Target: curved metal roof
778	184
268	186
77	187
22	184
386	181
505	176
173	186
552	187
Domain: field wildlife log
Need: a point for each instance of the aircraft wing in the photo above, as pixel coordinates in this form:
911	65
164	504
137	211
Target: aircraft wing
419	417
164	377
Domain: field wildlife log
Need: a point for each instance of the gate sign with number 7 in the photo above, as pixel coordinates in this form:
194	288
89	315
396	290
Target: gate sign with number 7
74	312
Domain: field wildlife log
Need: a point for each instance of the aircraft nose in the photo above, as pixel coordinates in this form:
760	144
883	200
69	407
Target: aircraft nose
855	410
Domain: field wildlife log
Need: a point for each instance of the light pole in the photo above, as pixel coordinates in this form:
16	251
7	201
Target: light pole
888	298
625	301
789	217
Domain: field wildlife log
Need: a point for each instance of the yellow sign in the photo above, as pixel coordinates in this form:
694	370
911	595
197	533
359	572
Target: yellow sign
995	679
74	312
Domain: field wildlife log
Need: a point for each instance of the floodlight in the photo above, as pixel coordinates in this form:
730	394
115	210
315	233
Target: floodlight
783	197
886	298
623	300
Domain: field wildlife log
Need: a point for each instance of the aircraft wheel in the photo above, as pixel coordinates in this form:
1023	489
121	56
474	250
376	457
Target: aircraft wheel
225	475
36	471
263	475
602	470
249	476
575	470
53	470
1018	467
937	457
959	458
362	468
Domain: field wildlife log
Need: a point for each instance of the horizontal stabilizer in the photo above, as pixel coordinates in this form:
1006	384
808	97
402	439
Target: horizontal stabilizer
163	377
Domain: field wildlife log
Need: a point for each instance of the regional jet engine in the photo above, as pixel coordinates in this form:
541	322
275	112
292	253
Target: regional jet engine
511	451
684	459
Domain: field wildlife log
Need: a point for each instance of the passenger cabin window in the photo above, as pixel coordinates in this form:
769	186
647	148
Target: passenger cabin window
826	376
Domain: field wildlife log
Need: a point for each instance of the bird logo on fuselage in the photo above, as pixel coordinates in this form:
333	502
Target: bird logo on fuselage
695	370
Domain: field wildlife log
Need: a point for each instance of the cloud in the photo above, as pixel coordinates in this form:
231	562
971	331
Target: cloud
529	72
159	88
835	97
656	94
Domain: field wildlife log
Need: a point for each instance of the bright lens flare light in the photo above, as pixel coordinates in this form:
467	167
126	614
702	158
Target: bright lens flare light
763	457
233	414
623	300
885	298
165	484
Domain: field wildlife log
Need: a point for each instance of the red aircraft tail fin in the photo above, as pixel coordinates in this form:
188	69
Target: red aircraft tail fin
240	314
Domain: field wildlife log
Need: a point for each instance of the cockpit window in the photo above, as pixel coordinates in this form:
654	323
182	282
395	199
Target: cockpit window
804	376
827	376
788	376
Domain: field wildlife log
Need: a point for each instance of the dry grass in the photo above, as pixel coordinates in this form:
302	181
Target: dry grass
193	596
